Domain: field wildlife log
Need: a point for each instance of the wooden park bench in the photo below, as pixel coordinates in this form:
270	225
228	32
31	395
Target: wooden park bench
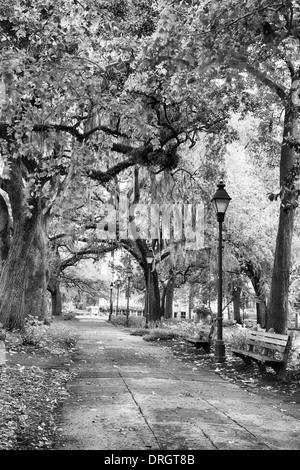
266	349
204	337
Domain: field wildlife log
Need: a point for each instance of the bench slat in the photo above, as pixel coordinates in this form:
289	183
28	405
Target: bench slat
262	344
259	357
267	339
268	334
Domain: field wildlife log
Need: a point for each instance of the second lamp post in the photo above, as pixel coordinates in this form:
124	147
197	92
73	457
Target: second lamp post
129	274
118	282
149	259
111	301
220	203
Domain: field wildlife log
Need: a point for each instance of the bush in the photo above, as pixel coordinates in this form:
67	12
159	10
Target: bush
162	334
136	322
238	337
68	315
33	331
60	336
43	338
140	332
118	320
133	322
203	312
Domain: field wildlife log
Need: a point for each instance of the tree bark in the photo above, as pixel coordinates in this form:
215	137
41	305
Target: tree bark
169	298
278	311
23	278
4	230
236	294
154	297
36	290
56	301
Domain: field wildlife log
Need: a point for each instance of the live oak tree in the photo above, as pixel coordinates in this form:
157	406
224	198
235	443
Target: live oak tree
248	44
66	113
59	70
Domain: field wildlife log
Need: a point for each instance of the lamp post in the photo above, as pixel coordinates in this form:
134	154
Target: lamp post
118	288
149	259
128	272
110	301
220	203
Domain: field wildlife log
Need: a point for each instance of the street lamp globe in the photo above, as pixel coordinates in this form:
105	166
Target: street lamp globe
220	201
149	257
129	272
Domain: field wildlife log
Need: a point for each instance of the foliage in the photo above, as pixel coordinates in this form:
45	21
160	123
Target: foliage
162	334
203	312
140	332
238	337
68	315
29	398
61	337
41	339
133	322
33	331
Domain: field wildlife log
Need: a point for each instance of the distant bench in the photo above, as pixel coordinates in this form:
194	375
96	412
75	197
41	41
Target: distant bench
266	349
204	337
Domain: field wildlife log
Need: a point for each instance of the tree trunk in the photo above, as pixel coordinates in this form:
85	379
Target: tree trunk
261	313
261	304
36	290
56	301
23	278
154	296
169	298
236	294
163	302
191	300
278	312
4	231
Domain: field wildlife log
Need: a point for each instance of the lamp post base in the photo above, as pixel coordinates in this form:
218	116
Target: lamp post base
219	351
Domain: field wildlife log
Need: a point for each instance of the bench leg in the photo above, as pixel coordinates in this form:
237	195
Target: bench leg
261	366
280	371
246	359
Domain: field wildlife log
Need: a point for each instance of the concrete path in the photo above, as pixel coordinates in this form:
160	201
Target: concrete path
129	394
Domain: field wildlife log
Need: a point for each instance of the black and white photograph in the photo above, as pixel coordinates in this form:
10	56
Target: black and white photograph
149	228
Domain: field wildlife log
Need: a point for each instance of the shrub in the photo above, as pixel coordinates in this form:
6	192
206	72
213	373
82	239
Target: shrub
118	320
162	334
136	322
68	315
32	332
133	322
62	336
238	337
140	332
203	312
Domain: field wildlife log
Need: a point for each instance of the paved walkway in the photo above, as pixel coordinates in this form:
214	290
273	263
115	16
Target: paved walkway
129	394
